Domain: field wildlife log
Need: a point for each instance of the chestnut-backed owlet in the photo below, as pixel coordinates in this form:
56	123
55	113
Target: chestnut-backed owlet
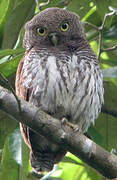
60	74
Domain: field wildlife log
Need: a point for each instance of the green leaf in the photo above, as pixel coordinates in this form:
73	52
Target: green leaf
81	7
15	146
77	171
10	169
95	135
68	159
24	169
53	3
90	12
110	33
106	124
23	12
9	67
7	52
110	72
113	3
102	7
7	126
6	7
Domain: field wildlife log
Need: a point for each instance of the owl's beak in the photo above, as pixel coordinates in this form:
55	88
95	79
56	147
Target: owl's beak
53	38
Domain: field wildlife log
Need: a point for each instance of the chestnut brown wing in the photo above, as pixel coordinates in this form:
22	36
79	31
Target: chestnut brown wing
22	92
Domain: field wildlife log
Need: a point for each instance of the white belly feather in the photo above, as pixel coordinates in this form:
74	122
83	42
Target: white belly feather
72	83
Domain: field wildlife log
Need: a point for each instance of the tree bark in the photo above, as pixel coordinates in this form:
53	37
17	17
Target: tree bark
74	142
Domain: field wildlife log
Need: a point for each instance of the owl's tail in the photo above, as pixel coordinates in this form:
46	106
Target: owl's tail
44	161
41	161
43	153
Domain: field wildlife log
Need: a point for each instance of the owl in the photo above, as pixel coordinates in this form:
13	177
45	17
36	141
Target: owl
60	74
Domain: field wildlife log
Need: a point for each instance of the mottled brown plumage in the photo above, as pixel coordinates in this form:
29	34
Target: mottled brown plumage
60	74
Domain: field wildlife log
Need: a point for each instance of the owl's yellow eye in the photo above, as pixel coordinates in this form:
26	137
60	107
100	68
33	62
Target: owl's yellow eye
64	27
41	31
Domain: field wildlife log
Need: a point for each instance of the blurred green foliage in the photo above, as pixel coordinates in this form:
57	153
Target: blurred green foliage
14	155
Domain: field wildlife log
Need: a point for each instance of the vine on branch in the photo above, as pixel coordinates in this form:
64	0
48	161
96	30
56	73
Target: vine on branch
100	30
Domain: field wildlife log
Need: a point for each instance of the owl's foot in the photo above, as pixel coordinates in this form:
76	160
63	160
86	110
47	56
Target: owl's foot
65	123
68	128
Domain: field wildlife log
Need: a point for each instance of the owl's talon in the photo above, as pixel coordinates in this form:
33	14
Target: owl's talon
76	129
64	121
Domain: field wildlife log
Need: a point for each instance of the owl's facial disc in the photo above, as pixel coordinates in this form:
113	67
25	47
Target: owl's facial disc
53	37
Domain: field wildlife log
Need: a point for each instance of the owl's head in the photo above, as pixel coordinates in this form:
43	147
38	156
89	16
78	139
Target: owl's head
53	27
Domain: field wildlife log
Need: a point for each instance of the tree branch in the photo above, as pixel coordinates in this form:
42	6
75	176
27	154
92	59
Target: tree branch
100	30
40	5
76	143
110	49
